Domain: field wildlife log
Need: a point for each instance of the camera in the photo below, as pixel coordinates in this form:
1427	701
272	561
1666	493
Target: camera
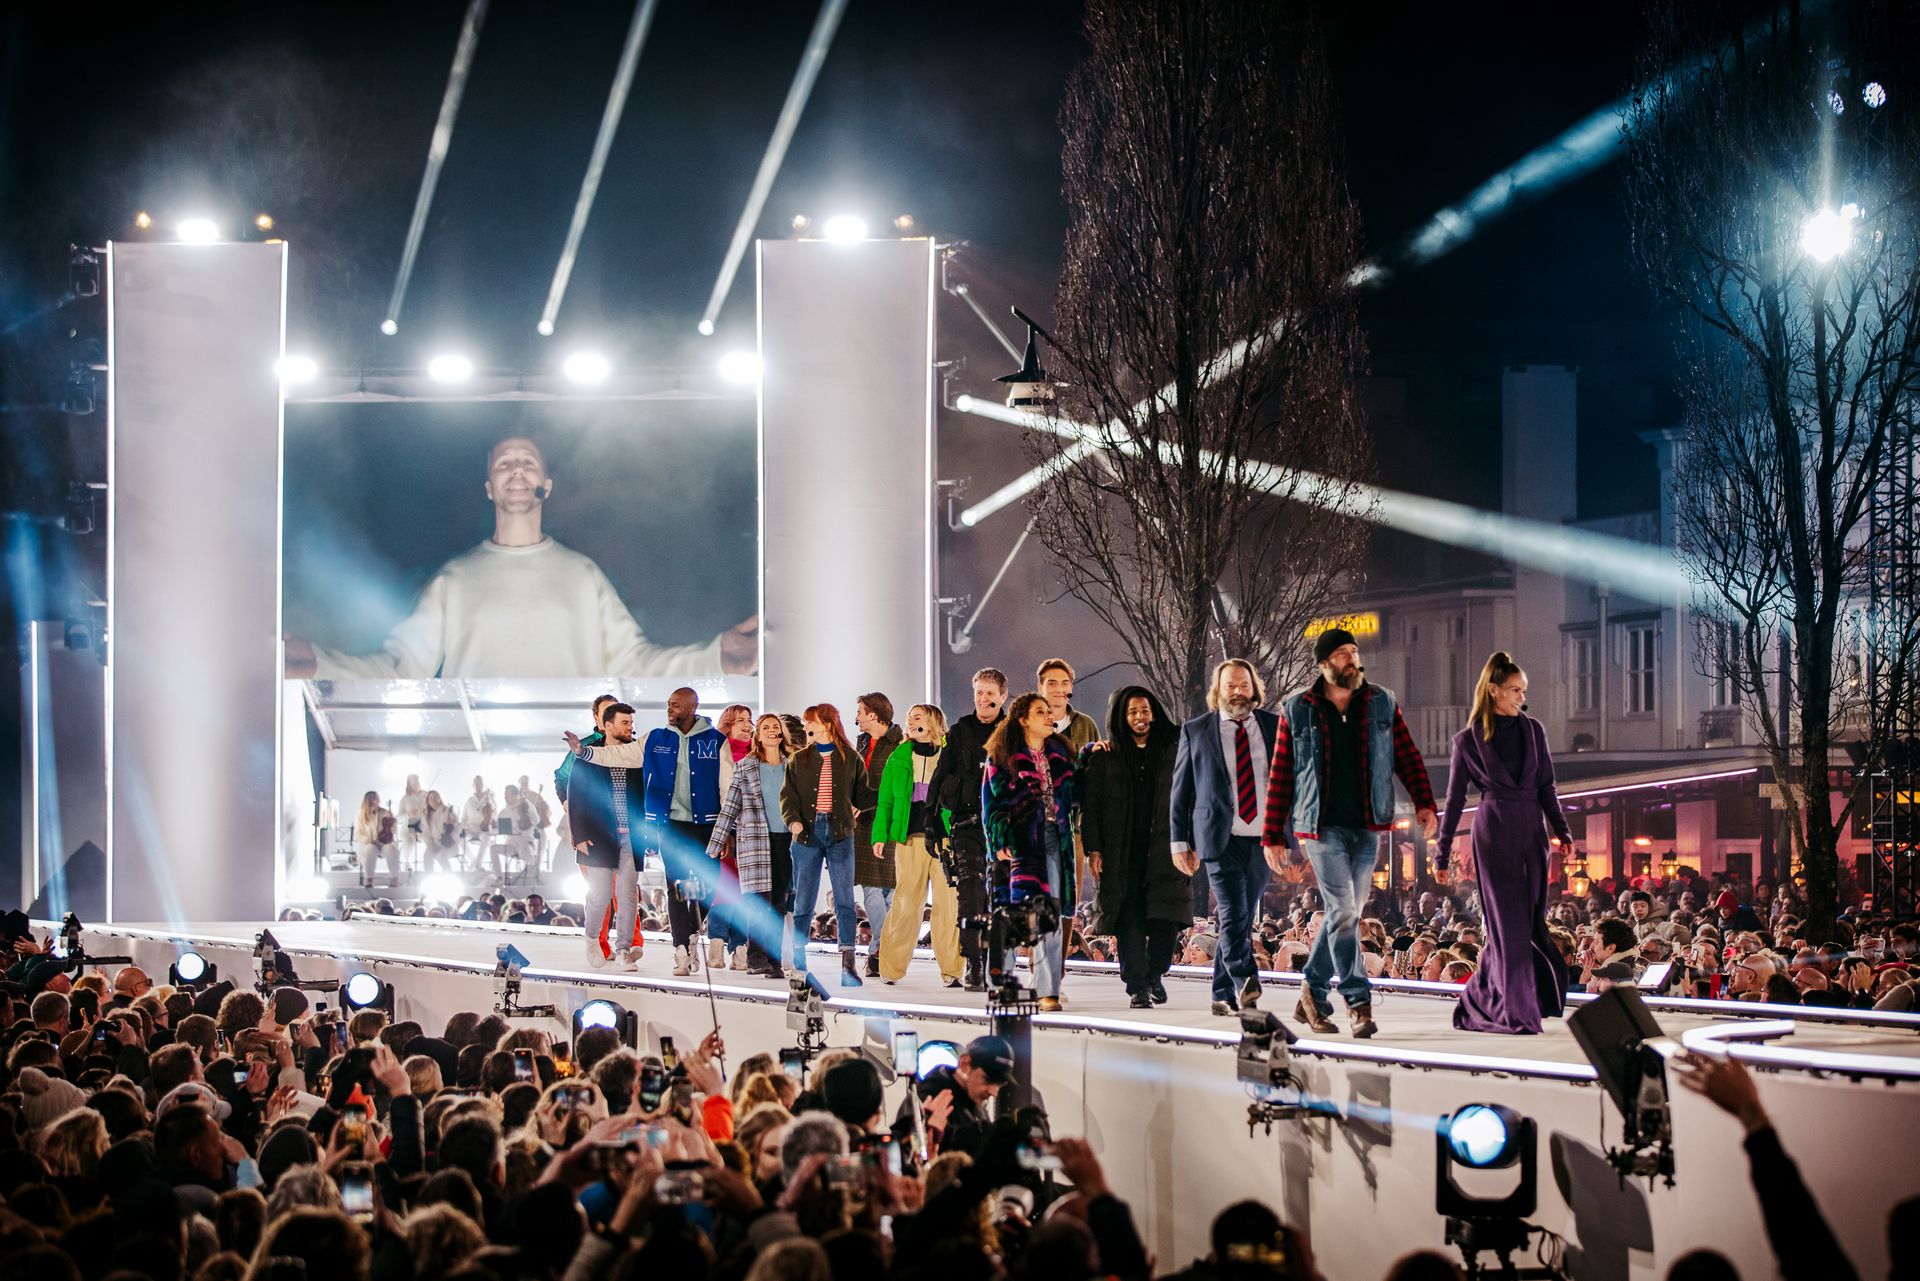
523	1065
653	1086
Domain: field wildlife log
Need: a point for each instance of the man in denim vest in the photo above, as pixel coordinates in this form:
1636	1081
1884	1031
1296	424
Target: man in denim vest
1341	743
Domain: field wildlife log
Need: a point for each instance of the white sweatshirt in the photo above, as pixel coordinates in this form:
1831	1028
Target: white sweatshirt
538	611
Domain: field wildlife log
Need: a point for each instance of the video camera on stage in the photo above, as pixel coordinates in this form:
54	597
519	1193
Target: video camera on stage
1010	925
74	950
807	1015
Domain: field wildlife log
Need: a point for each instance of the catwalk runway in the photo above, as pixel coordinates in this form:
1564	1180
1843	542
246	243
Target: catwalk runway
1157	1093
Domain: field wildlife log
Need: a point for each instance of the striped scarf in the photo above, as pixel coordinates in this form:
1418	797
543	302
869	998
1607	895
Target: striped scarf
823	799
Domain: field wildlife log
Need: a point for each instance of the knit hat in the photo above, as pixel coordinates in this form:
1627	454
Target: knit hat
289	1003
1326	642
1727	899
45	1099
194	1092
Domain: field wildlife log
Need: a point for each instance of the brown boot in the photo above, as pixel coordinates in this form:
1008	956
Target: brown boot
1363	1024
1308	1012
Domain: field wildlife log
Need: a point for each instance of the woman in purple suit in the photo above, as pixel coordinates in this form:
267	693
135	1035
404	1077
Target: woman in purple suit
1503	752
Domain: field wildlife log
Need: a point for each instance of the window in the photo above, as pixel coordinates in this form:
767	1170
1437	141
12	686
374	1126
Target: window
1641	675
1726	665
1582	678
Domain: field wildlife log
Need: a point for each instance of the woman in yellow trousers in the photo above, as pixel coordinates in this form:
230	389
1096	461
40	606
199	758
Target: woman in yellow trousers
901	824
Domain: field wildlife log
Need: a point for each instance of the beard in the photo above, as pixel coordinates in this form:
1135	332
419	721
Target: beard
1238	707
1348	679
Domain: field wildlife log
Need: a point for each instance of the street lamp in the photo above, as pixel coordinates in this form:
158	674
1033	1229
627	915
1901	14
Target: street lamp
1828	233
1578	882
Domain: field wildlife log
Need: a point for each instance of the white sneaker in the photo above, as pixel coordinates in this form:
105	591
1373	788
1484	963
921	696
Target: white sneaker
623	960
595	957
740	957
716	954
682	962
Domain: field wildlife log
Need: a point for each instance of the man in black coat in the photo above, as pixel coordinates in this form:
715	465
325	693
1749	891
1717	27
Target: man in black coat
1126	808
955	786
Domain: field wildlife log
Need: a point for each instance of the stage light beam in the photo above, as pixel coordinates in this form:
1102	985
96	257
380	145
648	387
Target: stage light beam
741	367
845	228
808	71
586	367
1827	235
199	231
436	156
449	368
295	369
597	162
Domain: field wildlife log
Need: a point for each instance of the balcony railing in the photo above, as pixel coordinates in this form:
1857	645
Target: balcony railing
1434	727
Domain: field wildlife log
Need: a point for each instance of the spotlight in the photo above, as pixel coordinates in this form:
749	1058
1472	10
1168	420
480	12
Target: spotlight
903	223
294	370
586	367
544	329
1874	95
1486	1136
363	991
442	887
1826	236
607	1014
1629	1055
706	328
449	369
389	326
264	222
143	220
198	231
801	222
1029	387
83	271
740	367
192	970
845	228
936	1054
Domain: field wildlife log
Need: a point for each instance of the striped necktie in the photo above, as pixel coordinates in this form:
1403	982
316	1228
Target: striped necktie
1243	772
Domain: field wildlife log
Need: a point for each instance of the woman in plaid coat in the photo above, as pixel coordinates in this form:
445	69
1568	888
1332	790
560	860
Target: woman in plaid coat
743	824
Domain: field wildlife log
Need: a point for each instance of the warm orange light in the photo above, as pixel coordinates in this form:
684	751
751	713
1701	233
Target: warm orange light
1402	825
264	222
1643	841
143	220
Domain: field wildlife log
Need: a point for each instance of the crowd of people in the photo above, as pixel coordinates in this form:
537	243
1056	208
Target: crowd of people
149	1131
419	832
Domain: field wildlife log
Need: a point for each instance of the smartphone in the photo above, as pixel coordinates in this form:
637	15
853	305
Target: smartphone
669	1055
1655	976
653	1086
681	1184
523	1065
356	1190
881	1152
906	1052
1032	1156
794	1063
240	1077
680	1095
355	1122
651	1134
319	1010
358	1063
843	1171
100	1031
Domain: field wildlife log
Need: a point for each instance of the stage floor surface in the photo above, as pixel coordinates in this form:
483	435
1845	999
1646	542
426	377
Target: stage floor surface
1415	1020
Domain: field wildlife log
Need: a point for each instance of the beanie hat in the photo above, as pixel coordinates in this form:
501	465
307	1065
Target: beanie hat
194	1092
289	1003
1326	642
852	1091
45	1099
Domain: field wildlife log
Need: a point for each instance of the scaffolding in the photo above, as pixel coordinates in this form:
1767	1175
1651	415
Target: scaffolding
1893	785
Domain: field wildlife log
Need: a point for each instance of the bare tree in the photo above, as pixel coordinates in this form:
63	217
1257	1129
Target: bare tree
1207	331
1772	194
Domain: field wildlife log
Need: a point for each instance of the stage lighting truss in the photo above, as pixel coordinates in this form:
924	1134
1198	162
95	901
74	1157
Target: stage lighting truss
1264	1064
603	1013
508	962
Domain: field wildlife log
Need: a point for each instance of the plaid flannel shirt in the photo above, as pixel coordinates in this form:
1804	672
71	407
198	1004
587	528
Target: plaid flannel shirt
1407	766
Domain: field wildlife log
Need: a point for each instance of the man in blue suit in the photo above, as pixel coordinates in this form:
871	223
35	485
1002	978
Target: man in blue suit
1219	809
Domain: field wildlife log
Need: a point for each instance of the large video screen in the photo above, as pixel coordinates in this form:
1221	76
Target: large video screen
518	539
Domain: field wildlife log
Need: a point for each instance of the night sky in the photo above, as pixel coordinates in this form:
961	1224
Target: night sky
320	114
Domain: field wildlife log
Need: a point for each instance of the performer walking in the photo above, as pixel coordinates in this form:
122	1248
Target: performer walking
1028	807
903	817
604	810
1503	752
1342	741
954	790
1219	811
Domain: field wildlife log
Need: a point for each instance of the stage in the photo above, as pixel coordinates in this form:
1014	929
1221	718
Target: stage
1156	1091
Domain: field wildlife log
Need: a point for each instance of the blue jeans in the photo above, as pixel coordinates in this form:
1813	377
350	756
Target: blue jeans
1343	859
1239	877
878	901
1049	954
810	852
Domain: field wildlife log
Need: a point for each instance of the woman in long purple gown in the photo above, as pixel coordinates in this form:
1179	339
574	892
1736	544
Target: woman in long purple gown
1503	752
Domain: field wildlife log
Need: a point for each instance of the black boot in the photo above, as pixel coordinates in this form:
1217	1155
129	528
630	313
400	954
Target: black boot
976	976
873	964
849	972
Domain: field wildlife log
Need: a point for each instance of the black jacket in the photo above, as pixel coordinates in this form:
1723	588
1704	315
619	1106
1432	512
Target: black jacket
590	815
966	1127
956	780
1107	787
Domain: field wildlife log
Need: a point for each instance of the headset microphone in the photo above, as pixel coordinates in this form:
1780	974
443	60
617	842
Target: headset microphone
1523	707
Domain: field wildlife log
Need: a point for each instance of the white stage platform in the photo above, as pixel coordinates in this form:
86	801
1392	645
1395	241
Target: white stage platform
1156	1091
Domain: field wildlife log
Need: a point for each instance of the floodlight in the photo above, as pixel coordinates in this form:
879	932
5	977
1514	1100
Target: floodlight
442	887
598	1014
801	222
1874	95
389	326
706	328
198	231
297	369
544	328
362	990
191	970
937	1054
903	223
264	222
449	368
143	220
845	228
586	367
740	367
607	1014
1484	1136
1826	236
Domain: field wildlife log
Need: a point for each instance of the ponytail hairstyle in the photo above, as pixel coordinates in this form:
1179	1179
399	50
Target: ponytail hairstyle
829	715
1499	670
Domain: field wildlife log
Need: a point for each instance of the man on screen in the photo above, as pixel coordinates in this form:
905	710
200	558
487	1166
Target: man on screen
520	604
